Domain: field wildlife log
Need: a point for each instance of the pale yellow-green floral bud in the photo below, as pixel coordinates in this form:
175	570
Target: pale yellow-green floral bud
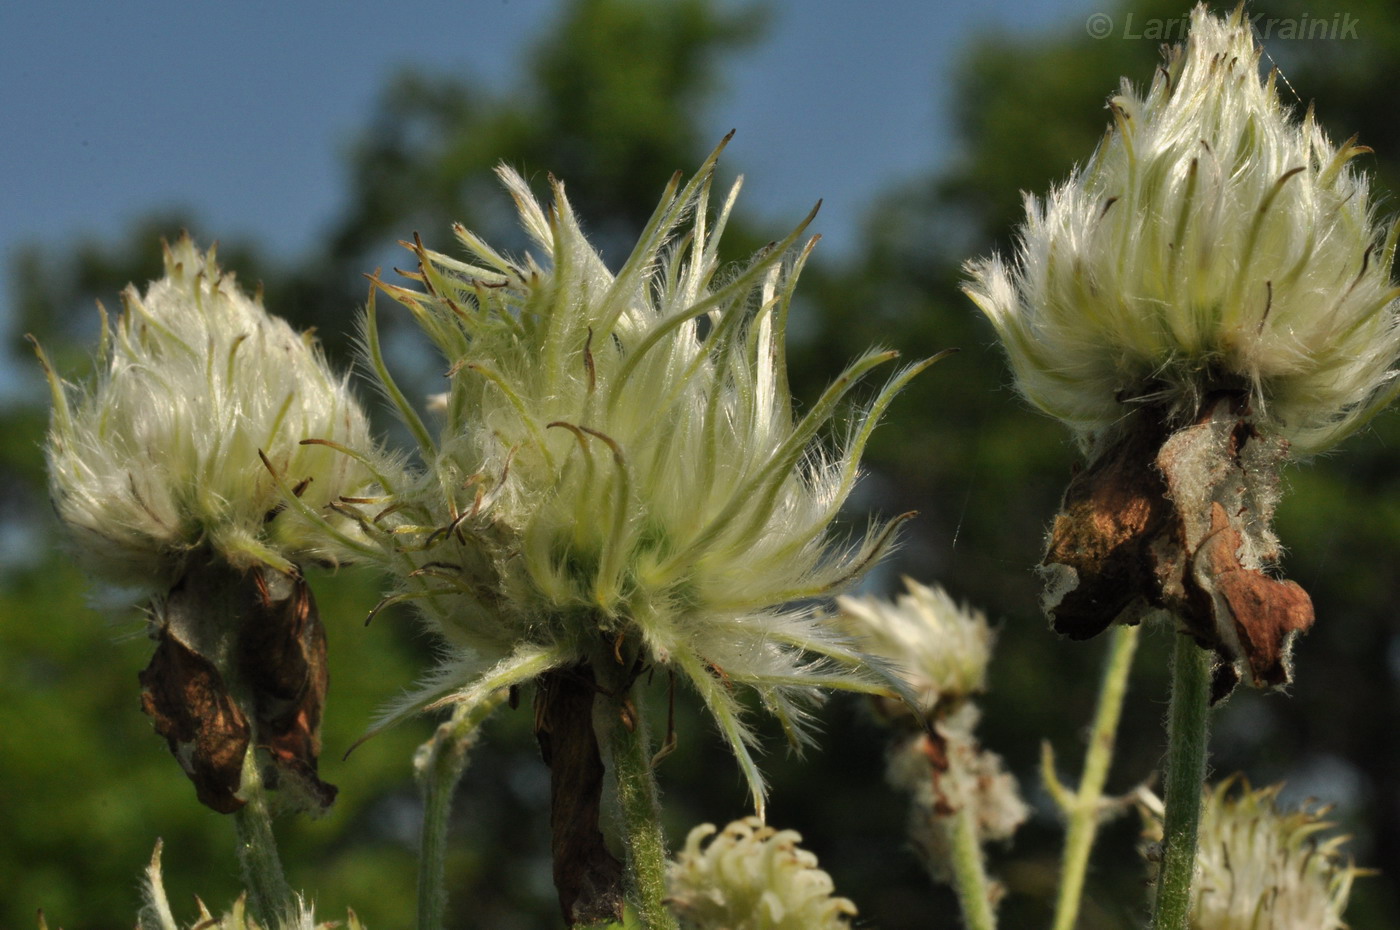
162	454
751	876
940	649
1211	242
619	475
1259	864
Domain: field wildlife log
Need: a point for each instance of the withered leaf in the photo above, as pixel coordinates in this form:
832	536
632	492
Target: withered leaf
1266	612
587	877
1098	556
282	656
241	657
1181	521
933	746
186	697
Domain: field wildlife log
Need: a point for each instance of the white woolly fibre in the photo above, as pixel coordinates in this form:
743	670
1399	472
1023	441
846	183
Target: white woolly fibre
975	783
160	454
1210	242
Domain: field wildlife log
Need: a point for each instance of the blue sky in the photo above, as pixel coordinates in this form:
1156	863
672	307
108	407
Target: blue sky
239	112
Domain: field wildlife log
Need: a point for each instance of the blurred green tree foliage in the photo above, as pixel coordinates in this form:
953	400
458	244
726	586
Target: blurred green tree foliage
609	103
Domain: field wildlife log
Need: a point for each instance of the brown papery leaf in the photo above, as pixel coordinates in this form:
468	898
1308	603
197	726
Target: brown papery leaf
282	657
587	876
207	733
240	657
1181	521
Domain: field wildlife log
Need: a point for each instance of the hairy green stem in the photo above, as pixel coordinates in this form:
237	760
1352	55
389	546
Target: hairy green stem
1187	737
1083	809
970	871
630	750
270	898
438	765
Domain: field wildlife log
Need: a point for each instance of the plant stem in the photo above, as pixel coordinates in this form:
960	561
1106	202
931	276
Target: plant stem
1083	813
970	872
630	750
1187	732
270	898
439	764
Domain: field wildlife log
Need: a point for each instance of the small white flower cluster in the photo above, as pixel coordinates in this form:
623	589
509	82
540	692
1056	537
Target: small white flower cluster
163	453
752	877
619	471
1261	866
157	915
940	649
1210	243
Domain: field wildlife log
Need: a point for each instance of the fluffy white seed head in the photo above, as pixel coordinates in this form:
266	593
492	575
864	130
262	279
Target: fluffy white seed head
940	649
617	461
752	877
1210	242
160	454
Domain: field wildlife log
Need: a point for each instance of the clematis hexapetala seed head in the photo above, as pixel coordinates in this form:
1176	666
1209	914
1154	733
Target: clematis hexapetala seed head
181	472
617	478
1259	864
751	876
1211	243
162	455
938	647
1206	298
942	651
